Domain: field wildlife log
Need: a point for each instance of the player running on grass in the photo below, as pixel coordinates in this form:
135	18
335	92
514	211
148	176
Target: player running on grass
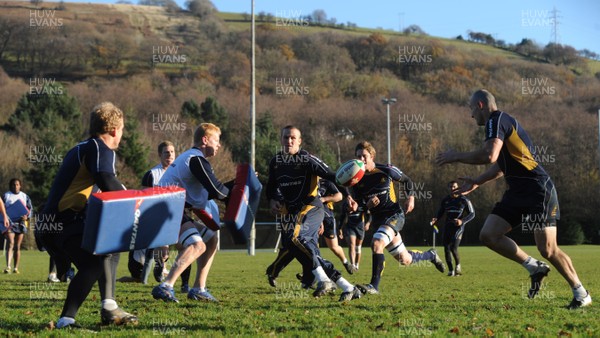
459	211
376	192
530	199
292	193
352	228
329	194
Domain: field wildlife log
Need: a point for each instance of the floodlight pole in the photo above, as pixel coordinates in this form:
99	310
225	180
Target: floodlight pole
387	102
252	239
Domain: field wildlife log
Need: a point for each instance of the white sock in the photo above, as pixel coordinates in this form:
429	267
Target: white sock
64	321
344	284
202	289
320	275
579	292
530	264
109	304
169	286
52	275
345	261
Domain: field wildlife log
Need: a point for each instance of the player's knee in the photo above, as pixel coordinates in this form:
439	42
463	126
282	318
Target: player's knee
405	259
190	239
548	252
378	245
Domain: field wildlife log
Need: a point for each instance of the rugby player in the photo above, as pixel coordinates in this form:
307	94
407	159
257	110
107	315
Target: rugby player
530	199
192	171
89	163
459	211
376	192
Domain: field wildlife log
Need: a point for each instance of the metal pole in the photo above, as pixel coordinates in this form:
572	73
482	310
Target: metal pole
252	239
389	151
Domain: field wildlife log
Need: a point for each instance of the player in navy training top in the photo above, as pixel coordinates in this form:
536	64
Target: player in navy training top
292	190
459	211
353	225
89	163
376	192
530	200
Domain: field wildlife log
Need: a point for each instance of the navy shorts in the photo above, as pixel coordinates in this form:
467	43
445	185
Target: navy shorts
330	228
355	226
395	220
533	204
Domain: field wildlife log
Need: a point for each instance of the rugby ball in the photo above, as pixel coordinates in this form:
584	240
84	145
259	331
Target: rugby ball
350	173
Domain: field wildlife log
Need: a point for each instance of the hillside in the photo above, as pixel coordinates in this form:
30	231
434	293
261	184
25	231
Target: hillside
326	80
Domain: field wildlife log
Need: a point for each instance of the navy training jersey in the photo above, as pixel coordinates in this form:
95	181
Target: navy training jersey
516	158
380	182
456	208
295	178
80	170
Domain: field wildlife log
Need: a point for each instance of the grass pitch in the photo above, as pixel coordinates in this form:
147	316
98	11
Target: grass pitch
489	299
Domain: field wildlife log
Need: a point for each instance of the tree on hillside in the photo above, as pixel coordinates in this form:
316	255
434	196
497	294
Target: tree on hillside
527	47
414	30
213	112
201	8
559	54
52	125
319	17
40	108
8	28
368	53
191	109
132	150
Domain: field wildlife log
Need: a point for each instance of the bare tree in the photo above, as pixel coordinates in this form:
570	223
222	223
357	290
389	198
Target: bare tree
319	17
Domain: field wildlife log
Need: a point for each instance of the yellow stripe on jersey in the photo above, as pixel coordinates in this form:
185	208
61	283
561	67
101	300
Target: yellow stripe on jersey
392	192
80	189
519	151
314	186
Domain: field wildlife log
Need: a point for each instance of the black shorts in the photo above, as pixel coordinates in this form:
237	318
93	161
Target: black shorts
395	220
330	228
532	205
355	227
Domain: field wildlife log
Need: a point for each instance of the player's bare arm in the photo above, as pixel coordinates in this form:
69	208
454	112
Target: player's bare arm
332	198
470	184
485	155
409	205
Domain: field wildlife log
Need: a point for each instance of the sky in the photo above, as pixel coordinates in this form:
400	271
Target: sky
508	20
